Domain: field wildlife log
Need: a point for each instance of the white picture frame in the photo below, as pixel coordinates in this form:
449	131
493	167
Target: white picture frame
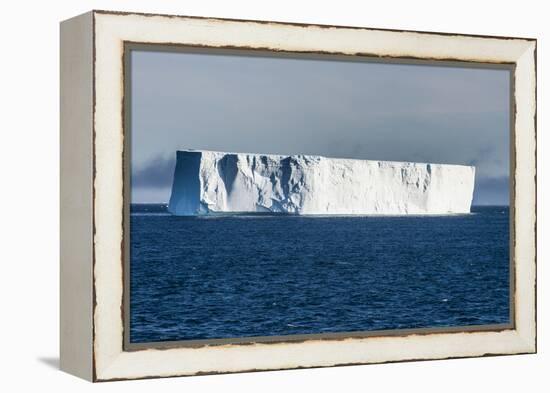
93	192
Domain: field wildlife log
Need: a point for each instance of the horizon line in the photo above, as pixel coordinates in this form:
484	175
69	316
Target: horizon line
166	203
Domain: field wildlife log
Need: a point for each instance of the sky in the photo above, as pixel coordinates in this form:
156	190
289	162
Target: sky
364	110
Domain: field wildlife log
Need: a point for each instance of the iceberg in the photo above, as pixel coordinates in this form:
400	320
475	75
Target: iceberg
210	182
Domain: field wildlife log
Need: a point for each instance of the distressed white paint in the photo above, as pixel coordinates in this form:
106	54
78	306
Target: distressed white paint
112	362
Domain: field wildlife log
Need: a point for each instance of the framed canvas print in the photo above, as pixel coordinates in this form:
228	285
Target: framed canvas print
245	195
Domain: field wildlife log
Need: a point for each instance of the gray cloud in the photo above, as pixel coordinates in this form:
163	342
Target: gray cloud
492	191
331	108
157	172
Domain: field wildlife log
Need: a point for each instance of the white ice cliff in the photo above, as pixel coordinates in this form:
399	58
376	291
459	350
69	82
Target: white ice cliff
208	182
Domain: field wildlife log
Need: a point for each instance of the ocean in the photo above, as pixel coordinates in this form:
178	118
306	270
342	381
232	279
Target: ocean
274	275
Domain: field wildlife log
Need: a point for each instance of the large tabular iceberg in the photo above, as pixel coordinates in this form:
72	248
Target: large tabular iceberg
208	182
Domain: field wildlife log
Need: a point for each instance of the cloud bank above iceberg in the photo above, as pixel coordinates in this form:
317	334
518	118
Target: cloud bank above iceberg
331	108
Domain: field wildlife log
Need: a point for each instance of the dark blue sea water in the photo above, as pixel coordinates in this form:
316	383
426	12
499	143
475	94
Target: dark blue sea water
242	276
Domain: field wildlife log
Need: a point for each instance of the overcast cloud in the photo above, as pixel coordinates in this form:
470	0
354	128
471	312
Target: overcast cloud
333	108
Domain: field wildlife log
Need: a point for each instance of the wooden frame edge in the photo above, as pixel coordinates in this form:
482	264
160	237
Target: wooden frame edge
528	350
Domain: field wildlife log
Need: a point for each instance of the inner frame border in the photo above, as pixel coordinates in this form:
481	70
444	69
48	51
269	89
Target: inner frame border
129	46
